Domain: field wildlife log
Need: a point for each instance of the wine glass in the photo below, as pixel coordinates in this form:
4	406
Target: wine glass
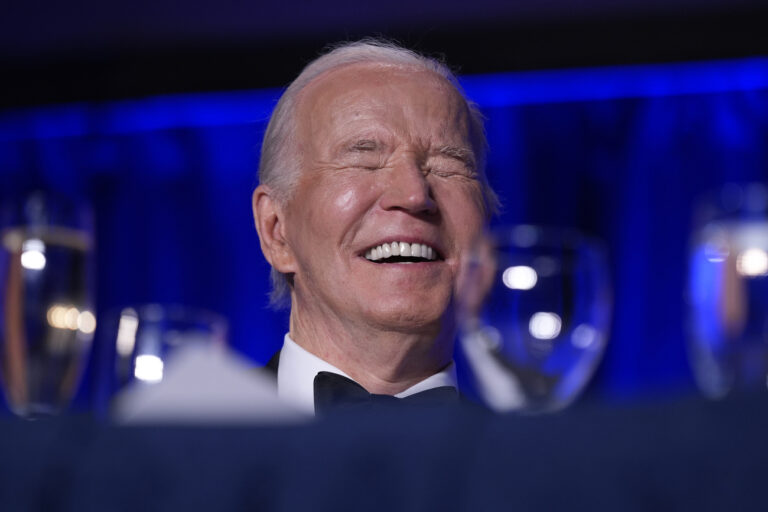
535	305
141	339
728	290
47	315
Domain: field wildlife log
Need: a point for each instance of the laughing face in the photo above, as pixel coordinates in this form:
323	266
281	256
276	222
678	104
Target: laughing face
388	200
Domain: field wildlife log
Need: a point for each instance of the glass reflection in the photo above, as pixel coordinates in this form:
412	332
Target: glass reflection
33	254
148	368
520	277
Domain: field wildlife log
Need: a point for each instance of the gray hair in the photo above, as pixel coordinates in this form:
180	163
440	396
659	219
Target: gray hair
279	168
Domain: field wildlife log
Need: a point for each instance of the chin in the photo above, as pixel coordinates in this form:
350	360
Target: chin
411	317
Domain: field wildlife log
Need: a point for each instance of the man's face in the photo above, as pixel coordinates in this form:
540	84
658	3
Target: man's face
387	162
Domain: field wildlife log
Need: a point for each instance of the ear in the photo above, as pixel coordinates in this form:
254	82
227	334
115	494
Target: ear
269	216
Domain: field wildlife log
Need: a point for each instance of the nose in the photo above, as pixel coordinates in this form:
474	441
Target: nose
408	190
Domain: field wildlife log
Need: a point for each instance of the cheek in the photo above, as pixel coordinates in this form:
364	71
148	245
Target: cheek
345	201
349	199
331	211
464	206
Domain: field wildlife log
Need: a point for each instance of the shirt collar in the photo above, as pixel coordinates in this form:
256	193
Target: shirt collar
297	370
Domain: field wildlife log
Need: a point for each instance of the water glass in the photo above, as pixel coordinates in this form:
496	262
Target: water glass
728	291
535	307
141	339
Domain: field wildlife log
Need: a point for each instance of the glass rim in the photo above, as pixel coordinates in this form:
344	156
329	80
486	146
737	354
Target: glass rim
46	209
156	311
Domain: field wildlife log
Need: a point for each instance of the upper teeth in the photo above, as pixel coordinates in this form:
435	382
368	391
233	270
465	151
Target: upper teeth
387	250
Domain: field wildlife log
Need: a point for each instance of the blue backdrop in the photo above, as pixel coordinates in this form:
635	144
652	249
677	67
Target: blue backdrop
620	153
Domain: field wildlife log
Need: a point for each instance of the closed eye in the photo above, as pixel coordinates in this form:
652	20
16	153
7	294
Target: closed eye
446	168
364	145
464	155
367	154
450	161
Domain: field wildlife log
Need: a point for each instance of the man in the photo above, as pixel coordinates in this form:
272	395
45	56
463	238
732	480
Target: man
371	192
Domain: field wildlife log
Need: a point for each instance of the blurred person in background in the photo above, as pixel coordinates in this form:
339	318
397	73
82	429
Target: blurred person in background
372	190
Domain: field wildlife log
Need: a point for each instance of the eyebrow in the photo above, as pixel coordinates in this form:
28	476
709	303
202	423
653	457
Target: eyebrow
465	155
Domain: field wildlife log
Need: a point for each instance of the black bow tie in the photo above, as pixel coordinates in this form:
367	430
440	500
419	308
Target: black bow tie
336	392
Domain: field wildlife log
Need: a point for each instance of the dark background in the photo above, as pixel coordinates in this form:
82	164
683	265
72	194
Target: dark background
611	117
91	50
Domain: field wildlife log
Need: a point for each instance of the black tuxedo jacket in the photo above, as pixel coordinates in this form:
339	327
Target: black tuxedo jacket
273	363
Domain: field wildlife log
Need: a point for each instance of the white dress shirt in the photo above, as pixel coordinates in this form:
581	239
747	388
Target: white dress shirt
297	370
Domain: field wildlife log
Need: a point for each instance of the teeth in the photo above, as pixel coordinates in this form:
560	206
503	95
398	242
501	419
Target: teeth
400	249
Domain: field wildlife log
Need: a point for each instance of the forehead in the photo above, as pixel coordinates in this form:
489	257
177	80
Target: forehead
413	99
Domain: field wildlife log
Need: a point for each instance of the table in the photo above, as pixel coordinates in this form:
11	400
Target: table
685	454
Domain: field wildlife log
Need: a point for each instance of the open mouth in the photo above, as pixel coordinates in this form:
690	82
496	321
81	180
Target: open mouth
402	252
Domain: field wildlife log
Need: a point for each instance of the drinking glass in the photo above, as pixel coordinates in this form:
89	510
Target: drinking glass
728	290
535	305
142	338
46	318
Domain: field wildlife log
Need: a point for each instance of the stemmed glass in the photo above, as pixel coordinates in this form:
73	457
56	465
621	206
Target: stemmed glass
728	290
46	318
139	341
142	346
535	306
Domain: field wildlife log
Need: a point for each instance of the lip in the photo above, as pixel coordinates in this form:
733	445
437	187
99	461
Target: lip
410	240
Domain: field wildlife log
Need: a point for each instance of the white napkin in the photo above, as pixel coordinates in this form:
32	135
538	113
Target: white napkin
205	385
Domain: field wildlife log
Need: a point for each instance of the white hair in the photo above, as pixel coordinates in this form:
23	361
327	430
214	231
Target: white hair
279	165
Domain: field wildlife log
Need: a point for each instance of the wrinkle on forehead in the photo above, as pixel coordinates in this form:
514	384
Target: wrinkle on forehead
351	102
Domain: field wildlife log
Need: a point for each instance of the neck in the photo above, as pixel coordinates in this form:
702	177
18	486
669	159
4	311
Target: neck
382	360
